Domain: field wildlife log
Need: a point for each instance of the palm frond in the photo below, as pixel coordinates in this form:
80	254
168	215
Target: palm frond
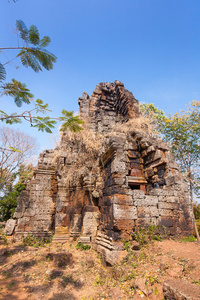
45	41
23	30
45	58
34	54
34	36
70	122
19	91
44	124
29	60
2	73
36	57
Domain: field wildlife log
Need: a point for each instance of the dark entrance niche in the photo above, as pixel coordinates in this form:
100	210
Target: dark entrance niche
136	179
95	201
135	187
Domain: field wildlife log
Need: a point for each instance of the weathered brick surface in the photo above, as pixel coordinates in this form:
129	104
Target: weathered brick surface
106	179
9	227
180	290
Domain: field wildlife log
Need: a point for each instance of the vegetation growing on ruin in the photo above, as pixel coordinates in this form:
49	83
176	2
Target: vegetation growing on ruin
86	145
36	240
81	246
146	233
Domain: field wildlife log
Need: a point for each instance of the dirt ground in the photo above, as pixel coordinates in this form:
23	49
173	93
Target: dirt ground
61	272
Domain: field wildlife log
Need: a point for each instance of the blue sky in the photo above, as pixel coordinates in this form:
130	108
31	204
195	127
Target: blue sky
152	46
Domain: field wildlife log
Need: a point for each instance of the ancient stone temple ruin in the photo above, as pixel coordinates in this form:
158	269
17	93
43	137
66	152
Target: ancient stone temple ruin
104	181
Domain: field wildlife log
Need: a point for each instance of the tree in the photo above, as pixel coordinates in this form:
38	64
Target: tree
10	161
33	53
182	131
15	147
8	202
197	211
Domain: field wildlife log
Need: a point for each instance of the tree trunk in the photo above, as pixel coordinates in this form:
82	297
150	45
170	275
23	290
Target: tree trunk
191	199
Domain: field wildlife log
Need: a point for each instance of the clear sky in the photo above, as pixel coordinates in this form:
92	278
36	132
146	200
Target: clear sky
152	46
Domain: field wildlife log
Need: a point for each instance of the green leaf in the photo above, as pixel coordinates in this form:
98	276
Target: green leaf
3	112
70	122
34	36
14	149
45	41
44	124
44	57
19	91
12	120
36	57
48	130
40	107
23	30
39	102
28	60
2	73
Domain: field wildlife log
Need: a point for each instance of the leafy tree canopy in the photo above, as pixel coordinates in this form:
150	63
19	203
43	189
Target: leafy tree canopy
8	202
182	132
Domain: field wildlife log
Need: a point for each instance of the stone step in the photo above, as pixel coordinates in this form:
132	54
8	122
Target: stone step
104	244
85	240
60	238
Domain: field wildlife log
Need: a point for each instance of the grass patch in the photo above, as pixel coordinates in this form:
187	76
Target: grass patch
36	241
81	246
188	239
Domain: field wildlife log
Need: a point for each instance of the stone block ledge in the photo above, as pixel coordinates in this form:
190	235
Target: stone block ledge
180	290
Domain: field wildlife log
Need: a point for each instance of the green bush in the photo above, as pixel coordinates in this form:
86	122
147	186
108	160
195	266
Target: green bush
126	245
146	233
188	239
196	209
8	202
82	247
36	241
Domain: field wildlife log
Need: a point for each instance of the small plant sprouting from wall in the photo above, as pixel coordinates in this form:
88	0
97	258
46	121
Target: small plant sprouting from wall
146	233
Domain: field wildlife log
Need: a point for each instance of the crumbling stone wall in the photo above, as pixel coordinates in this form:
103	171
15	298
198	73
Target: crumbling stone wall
36	205
107	179
110	104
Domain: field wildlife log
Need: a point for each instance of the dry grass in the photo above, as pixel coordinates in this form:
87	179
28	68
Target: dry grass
80	152
88	143
138	124
84	141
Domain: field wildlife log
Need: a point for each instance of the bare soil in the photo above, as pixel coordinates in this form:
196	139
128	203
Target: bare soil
61	272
